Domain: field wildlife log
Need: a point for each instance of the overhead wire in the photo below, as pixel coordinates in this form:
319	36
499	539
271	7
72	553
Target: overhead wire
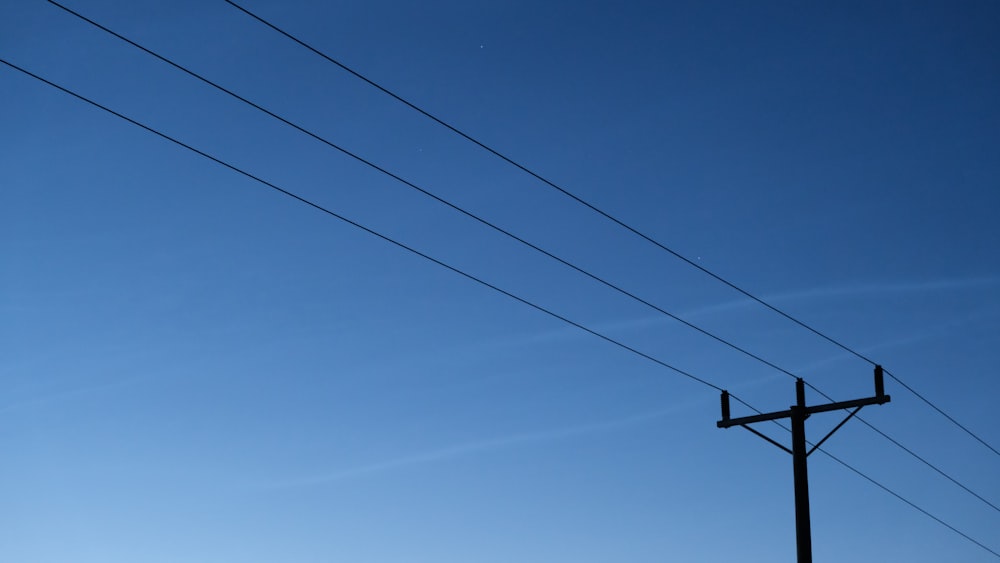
424	191
507	233
898	496
436	261
941	412
608	216
910	503
375	233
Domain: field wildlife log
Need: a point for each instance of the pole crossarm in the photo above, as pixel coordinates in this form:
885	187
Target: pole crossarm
843	405
840	405
880	398
744	420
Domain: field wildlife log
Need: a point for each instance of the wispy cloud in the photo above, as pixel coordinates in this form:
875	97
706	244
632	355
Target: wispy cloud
913	337
824	293
480	446
88	388
855	290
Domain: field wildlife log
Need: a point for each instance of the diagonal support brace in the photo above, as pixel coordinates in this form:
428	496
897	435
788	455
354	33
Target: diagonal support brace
835	428
766	437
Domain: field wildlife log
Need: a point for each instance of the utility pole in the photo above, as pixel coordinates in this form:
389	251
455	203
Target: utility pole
798	413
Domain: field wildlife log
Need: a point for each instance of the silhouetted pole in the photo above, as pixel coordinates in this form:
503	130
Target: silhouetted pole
800	471
798	413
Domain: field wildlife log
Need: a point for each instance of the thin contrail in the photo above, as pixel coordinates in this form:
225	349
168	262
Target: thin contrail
468	448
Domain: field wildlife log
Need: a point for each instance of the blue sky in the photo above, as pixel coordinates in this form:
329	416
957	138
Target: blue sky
196	368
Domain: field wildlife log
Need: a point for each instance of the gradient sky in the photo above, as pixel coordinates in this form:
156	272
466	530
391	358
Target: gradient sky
196	368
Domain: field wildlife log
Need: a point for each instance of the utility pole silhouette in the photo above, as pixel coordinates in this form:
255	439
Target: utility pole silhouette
798	413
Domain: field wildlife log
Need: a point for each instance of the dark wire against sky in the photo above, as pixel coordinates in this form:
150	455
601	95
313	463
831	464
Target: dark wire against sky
830	177
472	278
547	253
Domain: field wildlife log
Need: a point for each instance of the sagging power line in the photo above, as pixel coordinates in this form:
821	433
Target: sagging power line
440	263
648	238
507	233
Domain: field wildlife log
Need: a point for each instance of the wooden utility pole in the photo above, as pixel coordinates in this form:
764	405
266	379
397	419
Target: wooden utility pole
798	413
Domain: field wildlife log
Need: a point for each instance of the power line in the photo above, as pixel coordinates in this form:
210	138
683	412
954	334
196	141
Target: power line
944	414
423	191
890	491
912	453
504	232
912	505
604	214
449	267
370	231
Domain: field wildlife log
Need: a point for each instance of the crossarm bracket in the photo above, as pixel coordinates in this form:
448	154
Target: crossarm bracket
768	438
835	428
